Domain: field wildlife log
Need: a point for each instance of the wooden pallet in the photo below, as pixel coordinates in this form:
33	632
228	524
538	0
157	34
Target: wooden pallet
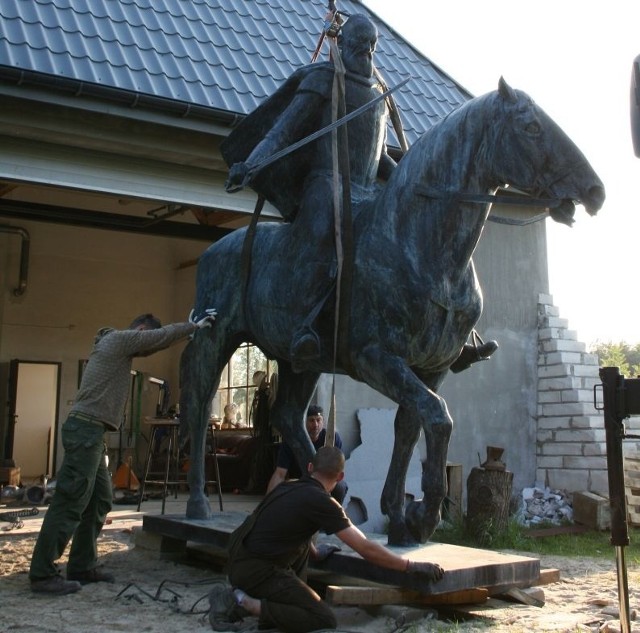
632	487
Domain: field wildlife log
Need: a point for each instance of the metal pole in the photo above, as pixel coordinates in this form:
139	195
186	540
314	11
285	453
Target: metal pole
612	391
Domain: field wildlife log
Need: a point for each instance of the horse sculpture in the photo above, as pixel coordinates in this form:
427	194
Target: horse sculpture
415	295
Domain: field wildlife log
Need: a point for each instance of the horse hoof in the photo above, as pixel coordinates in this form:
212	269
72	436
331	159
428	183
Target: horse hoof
198	509
399	535
421	522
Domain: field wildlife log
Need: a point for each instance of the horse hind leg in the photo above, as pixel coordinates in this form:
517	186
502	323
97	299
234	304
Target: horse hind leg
288	411
200	366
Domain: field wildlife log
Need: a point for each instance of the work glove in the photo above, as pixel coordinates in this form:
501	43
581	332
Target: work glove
324	550
429	571
205	321
238	177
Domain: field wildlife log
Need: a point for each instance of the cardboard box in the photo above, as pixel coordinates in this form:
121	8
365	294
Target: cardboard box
591	510
9	476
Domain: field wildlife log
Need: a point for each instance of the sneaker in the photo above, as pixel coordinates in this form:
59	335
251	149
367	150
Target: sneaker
55	585
91	575
225	614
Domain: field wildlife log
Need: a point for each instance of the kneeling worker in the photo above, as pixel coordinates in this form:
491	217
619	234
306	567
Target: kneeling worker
286	464
268	554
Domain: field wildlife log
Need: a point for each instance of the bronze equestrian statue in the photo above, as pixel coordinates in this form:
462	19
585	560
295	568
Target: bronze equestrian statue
415	297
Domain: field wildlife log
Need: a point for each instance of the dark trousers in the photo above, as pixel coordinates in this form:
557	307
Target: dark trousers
79	505
287	602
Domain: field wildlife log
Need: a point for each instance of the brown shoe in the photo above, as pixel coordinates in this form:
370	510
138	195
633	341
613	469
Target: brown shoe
55	585
91	575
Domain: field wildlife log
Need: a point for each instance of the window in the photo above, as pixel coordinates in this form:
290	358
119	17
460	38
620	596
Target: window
237	385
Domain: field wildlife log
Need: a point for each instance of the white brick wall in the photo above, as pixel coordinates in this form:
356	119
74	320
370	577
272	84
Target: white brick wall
571	448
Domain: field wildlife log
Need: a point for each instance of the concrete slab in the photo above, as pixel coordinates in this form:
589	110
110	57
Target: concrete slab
464	567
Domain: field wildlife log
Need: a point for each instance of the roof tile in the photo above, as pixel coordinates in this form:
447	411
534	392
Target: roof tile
223	54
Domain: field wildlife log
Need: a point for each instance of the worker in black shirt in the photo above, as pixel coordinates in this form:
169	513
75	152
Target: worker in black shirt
268	554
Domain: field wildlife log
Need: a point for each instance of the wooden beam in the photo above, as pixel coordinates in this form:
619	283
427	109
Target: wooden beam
547	577
395	595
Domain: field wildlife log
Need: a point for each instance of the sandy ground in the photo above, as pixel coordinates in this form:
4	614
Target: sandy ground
163	596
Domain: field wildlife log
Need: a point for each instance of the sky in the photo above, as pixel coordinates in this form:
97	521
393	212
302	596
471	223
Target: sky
574	58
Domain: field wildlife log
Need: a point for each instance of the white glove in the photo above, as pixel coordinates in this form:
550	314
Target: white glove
206	321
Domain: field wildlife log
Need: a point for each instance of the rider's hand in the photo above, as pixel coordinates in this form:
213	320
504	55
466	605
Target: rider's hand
205	321
323	551
430	571
237	178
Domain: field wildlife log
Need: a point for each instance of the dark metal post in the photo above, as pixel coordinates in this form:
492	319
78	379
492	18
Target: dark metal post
614	414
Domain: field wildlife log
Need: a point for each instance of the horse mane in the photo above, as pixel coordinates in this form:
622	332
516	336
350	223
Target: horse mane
463	133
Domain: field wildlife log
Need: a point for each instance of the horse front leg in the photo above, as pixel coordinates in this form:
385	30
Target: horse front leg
419	406
406	434
199	376
422	518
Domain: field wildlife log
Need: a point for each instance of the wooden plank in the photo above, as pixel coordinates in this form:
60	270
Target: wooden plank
392	595
556	530
465	567
632	487
533	596
547	577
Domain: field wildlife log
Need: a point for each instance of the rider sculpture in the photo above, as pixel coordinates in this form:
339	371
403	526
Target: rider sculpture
301	183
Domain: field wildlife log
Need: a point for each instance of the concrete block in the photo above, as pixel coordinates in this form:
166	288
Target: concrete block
591	510
580	435
555	321
549	462
545	299
587	422
554	422
557	383
592	463
569	480
577	395
561	448
550	311
590	370
564	358
568	409
563	345
546	397
551	371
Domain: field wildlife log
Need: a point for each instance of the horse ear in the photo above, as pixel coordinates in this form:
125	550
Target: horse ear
506	91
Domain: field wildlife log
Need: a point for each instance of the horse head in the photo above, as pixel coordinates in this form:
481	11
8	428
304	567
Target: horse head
533	154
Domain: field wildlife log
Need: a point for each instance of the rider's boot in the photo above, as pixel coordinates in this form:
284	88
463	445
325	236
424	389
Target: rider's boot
472	354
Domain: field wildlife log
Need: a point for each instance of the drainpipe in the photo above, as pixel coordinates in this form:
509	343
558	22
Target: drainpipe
24	256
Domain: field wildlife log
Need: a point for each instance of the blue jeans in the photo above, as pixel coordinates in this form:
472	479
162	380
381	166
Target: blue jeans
80	504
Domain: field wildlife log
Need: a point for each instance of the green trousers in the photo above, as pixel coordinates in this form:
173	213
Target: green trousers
287	602
80	504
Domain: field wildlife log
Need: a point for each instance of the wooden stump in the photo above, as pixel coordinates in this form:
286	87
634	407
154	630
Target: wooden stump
488	498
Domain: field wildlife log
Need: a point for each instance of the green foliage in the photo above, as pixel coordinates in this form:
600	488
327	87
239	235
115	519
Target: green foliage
591	544
620	354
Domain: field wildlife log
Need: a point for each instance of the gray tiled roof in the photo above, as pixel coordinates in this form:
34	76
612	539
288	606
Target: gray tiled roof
222	54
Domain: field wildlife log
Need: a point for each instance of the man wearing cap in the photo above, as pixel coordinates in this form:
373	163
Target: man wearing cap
286	463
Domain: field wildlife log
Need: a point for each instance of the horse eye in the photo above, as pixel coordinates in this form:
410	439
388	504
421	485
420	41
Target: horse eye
532	128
